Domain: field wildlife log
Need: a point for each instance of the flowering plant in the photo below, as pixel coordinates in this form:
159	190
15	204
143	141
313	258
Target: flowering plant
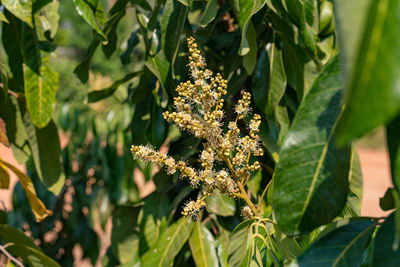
227	158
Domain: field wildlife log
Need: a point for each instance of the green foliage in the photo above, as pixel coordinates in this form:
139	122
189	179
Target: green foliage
83	80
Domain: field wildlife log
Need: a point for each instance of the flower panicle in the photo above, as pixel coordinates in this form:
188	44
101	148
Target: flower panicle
199	110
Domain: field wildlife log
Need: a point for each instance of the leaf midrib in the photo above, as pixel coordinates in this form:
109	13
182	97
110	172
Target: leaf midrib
341	255
319	166
171	241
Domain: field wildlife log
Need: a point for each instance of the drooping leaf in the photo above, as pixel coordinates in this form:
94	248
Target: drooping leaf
221	204
45	146
47	19
38	208
168	245
40	81
385	251
277	78
22	9
153	221
376	66
202	245
310	181
11	234
156	130
355	185
250	58
4	177
3	133
95	96
92	12
246	10
309	24
239	243
341	247
3	17
171	24
209	13
125	236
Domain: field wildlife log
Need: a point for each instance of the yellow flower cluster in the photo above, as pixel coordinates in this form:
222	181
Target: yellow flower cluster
226	157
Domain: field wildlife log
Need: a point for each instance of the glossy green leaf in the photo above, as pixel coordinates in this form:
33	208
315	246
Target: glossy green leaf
156	130
246	10
40	81
22	9
309	24
385	253
45	146
326	16
202	245
95	96
125	236
294	9
171	24
341	247
3	17
210	12
277	78
153	221
350	19
92	12
376	66
168	245
310	181
239	243
355	185
221	204
46	20
250	59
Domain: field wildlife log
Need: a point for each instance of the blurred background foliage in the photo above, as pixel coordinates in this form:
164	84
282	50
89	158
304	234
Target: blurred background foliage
105	71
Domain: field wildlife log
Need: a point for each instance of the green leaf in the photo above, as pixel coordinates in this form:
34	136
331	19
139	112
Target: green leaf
15	130
153	220
277	78
12	235
377	65
32	256
260	80
385	253
95	96
294	9
341	247
387	202
46	20
3	133
22	9
393	144
171	23
40	81
239	243
246	10
288	247
310	181
221	204
350	20
309	24
209	13
92	12
355	185
45	146
3	17
202	246
250	59
125	236
156	130
168	245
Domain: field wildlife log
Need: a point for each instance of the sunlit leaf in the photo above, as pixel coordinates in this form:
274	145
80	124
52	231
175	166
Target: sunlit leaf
168	245
22	9
92	12
4	177
310	181
202	245
38	208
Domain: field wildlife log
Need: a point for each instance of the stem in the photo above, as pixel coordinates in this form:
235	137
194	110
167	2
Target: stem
8	255
264	192
243	195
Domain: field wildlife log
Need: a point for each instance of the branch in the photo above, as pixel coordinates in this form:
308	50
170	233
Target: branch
8	255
